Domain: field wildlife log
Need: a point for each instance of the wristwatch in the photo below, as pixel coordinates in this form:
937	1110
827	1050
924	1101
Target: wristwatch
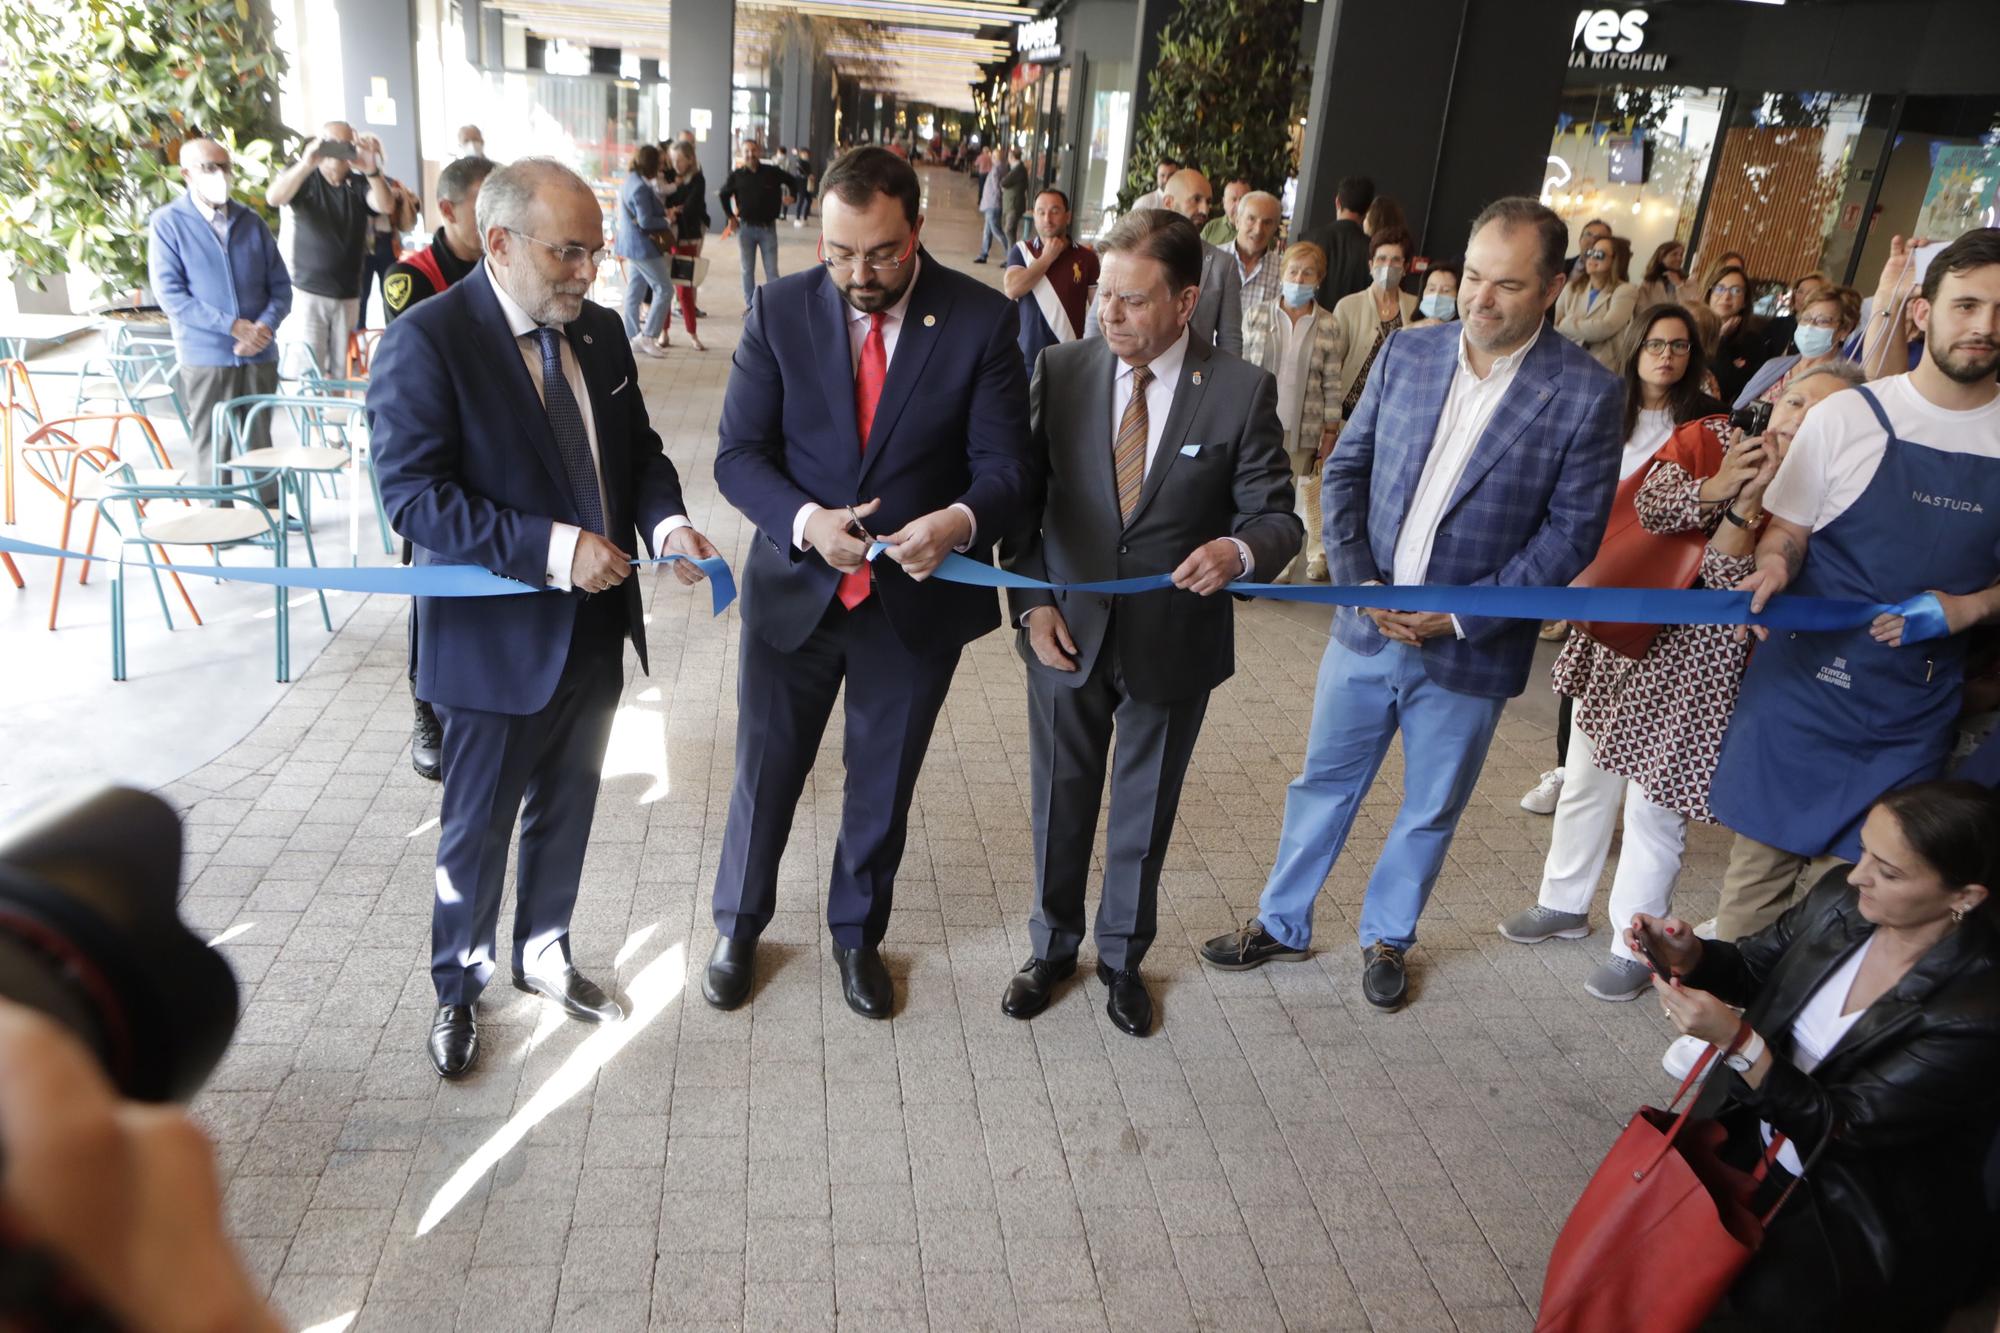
1746	1055
1738	519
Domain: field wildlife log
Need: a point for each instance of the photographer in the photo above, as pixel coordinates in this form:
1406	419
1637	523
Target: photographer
331	195
1873	1017
108	1207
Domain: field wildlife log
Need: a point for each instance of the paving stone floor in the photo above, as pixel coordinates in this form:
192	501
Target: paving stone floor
1276	1155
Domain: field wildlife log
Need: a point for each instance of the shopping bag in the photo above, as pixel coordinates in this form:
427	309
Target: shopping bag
689	270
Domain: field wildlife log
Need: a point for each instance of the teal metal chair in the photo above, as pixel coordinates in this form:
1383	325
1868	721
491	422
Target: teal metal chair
353	434
143	373
218	517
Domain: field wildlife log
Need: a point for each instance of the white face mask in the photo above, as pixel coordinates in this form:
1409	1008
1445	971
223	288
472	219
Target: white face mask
472	148
211	187
1385	276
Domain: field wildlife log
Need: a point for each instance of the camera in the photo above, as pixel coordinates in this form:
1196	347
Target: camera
339	149
90	937
1752	420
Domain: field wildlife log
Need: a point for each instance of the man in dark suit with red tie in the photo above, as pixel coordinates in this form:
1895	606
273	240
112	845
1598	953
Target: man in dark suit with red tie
509	433
879	393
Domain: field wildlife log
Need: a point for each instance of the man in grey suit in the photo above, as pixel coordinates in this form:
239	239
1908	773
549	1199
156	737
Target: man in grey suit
1162	453
1218	314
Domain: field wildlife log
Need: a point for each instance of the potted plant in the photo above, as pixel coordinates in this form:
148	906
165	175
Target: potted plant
101	94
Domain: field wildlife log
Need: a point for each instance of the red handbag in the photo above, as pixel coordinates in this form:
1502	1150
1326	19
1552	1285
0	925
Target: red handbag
1661	1231
1631	557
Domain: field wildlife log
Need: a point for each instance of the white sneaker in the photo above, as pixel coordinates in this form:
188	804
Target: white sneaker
1542	799
647	347
1681	1055
1706	930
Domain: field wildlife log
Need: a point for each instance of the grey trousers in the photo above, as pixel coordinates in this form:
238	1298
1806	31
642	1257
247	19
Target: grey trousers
202	387
1070	736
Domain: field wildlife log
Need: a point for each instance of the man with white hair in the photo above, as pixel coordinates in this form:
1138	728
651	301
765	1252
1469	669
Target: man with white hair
331	196
510	435
1257	262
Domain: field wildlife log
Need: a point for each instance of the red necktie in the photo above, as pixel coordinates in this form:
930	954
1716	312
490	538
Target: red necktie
868	376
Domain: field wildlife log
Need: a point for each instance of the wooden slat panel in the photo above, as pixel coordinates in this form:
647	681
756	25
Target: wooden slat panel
1771	199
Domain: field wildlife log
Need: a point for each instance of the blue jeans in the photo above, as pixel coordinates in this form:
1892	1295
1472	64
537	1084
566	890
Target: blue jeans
749	240
991	232
643	275
1358	704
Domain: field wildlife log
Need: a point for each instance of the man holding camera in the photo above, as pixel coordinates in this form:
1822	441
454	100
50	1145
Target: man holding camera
331	193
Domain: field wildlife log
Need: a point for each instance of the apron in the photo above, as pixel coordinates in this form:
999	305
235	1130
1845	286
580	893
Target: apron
1828	722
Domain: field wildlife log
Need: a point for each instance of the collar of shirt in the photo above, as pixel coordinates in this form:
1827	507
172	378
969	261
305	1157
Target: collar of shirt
519	322
892	322
1243	271
1503	366
1166	368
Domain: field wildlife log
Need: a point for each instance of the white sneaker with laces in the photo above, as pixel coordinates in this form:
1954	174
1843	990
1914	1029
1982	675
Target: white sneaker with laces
1681	1055
1706	930
1542	798
647	347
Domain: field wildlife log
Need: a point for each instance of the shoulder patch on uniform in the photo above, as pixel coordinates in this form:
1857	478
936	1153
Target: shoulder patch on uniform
396	290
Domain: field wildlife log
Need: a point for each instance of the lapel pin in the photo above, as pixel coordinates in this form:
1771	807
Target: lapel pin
1197	377
929	320
586	338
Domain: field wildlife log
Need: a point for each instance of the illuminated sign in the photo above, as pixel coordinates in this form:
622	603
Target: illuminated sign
1040	40
1613	40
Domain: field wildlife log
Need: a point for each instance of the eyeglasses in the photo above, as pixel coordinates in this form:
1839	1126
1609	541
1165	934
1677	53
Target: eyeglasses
569	256
1819	323
1597	254
207	168
1655	346
1731	290
874	261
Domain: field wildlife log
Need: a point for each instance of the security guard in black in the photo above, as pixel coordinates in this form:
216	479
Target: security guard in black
422	273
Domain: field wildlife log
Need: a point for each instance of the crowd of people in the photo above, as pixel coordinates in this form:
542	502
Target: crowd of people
1191	394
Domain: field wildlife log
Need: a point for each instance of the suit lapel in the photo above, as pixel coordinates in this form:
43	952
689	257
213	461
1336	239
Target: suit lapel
1431	387
1095	434
1187	400
924	320
1952	958
1533	387
499	349
835	360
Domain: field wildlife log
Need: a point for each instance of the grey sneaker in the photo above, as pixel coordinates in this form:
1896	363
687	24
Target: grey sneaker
1540	923
1618	979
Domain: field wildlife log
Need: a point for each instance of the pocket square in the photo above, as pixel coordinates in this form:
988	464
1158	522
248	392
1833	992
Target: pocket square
1190	450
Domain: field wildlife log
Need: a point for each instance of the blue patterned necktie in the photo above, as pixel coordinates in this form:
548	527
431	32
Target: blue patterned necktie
566	420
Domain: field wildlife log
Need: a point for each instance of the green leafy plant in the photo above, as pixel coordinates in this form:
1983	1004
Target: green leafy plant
100	95
1227	91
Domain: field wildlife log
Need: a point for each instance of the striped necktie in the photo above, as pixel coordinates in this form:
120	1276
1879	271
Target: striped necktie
572	442
1128	453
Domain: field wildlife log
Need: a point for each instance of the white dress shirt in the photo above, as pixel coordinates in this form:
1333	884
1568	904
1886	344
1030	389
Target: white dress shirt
1294	344
563	536
857	337
1467	409
1166	368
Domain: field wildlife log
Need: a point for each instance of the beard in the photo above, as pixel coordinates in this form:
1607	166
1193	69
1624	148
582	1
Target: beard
1965	365
877	295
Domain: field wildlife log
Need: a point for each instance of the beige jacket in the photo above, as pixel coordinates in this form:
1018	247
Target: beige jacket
1600	329
1355	314
1320	405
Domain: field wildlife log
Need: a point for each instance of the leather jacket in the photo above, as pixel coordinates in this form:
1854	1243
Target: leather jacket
1889	1223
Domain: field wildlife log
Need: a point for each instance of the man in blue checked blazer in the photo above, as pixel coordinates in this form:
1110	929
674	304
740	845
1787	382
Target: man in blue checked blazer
1483	452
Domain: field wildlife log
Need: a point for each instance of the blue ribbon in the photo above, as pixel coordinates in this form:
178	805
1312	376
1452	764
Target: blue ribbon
1923	616
395	580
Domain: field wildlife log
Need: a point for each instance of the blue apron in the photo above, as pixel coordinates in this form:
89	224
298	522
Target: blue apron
1828	722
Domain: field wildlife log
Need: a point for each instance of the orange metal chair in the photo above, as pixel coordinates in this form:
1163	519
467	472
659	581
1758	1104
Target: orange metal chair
72	469
17	398
360	351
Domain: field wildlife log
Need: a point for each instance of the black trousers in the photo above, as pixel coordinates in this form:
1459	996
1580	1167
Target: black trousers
546	767
783	703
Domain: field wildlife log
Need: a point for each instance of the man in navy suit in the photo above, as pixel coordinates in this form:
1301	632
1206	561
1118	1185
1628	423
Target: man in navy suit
1481	452
879	393
509	433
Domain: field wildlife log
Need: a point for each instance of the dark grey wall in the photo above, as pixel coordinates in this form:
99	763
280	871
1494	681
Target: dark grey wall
378	40
701	60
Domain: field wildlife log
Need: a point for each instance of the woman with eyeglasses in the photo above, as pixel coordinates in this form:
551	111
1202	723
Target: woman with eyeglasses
1595	310
1824	321
1746	340
1646	730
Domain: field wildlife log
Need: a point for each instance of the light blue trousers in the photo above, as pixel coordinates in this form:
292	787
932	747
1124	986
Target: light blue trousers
1359	704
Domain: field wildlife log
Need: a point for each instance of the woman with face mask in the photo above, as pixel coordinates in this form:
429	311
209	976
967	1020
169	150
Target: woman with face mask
1439	303
1596	309
1299	341
1370	315
1646	731
1824	322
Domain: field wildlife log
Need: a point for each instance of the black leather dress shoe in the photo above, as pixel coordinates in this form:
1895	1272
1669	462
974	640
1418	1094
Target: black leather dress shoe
1028	993
1130	1007
427	744
1385	977
579	996
454	1042
864	981
731	970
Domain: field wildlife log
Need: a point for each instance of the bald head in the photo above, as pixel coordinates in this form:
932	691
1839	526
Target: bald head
1188	193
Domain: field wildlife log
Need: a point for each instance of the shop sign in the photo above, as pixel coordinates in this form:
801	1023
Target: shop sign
1040	40
1610	39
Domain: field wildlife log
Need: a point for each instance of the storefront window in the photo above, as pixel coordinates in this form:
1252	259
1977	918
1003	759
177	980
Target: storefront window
1942	177
1793	173
1634	156
1107	109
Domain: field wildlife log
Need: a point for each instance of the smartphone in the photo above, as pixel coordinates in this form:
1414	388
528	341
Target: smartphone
1753	420
339	150
1652	955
